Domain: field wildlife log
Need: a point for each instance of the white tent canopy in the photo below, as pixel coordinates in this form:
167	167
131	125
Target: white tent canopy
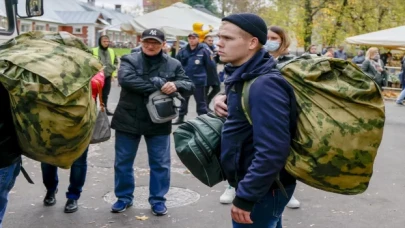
393	38
175	20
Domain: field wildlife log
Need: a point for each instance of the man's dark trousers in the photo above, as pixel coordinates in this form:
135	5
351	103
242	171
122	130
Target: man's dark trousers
201	104
106	89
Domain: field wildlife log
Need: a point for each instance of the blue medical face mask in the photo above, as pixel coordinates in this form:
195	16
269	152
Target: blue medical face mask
272	45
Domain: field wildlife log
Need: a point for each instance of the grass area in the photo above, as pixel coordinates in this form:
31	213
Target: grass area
121	51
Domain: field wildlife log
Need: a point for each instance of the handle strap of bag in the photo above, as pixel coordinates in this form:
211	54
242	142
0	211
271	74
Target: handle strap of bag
100	97
179	97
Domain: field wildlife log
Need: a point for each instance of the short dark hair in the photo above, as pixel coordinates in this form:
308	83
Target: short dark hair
309	48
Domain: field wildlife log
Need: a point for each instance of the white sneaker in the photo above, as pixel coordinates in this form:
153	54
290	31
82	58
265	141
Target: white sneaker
228	196
293	203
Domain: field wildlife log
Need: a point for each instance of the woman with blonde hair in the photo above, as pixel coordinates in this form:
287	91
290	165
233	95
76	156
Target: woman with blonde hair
277	45
374	67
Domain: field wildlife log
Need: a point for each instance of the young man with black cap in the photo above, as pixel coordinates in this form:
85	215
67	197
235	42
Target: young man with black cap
141	74
109	59
253	155
197	61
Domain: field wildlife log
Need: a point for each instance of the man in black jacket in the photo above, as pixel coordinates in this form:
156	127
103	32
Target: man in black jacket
10	151
140	75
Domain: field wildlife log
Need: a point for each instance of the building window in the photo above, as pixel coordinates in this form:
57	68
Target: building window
77	30
53	29
39	28
26	27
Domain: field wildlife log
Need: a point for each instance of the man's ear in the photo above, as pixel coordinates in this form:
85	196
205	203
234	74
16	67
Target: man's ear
254	44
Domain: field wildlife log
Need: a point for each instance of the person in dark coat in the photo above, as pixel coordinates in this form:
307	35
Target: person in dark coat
254	154
10	151
212	73
359	58
141	74
197	62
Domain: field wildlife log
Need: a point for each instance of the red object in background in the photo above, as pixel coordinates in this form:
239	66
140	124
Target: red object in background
97	83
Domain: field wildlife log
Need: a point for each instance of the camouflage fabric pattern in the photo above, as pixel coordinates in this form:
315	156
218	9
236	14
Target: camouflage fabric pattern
49	86
340	124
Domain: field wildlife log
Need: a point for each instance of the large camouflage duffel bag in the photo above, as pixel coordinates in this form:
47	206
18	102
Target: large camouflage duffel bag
48	77
340	123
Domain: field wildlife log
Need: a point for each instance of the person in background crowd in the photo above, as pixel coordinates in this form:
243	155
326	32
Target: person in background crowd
359	58
386	58
279	50
173	51
197	61
374	67
401	96
313	50
108	58
340	53
329	52
212	73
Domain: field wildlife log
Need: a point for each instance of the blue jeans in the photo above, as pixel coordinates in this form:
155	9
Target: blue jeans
401	96
7	179
77	176
267	213
126	147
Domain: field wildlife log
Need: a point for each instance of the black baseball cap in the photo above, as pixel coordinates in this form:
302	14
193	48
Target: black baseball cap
193	34
153	33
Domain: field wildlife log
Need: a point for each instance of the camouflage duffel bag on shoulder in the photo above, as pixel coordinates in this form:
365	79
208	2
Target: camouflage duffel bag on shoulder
340	124
48	78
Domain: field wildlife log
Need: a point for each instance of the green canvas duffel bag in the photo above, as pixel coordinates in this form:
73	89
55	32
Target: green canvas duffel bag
197	143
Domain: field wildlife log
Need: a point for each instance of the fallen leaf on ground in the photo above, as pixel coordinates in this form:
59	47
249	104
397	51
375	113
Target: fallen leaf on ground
187	172
142	218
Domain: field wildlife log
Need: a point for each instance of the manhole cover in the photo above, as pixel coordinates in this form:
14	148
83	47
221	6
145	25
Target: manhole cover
176	197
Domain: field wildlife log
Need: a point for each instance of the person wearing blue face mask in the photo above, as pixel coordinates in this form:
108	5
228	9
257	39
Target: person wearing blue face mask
278	43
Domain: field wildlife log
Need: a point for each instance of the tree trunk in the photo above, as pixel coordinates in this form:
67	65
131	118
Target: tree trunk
307	24
338	22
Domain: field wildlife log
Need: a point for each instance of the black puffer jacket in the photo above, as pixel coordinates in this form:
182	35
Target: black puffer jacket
10	151
134	76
